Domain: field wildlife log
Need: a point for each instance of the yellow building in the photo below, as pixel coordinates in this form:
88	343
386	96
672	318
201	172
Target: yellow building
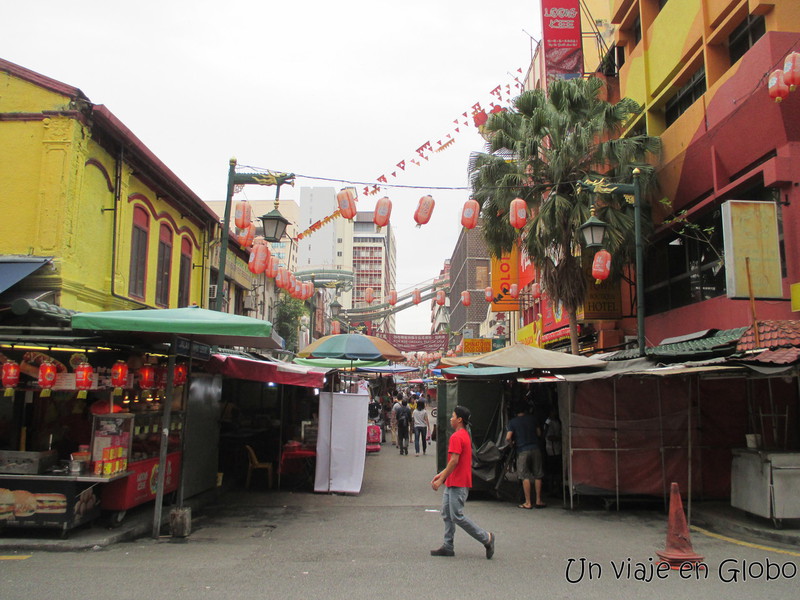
95	218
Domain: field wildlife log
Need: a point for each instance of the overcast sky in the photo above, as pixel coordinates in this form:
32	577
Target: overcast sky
339	90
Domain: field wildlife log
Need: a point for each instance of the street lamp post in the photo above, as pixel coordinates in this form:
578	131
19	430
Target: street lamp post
234	179
593	223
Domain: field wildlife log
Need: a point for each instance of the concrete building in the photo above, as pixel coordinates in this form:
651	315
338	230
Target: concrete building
469	271
374	265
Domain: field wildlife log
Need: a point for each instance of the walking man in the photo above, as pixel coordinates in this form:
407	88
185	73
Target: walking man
457	479
524	433
403	426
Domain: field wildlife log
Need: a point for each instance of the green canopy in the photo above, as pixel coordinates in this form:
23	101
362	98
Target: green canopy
472	371
201	325
339	363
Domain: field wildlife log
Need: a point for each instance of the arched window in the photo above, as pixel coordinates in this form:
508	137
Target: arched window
185	279
164	266
137	279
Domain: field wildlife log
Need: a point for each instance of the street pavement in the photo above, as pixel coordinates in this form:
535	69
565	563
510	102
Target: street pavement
297	544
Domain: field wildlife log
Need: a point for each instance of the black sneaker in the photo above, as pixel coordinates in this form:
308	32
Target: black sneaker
444	552
490	546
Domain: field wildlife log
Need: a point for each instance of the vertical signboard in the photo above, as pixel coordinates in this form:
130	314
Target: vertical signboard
561	39
750	231
505	271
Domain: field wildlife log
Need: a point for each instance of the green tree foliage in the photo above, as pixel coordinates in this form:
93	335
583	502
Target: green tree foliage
287	319
539	151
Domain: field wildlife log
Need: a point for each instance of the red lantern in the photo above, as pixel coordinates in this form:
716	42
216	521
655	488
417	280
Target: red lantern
536	291
369	295
347	202
778	90
466	298
417	297
282	278
272	267
335	328
246	235
181	374
291	285
10	377
259	257
47	377
161	377
242	215
424	210
147	377
440	297
513	290
392	298
518	213
383	210
119	376
469	214
791	71
601	265
487	294
83	378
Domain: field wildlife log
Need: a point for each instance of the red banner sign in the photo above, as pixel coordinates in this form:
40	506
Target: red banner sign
561	34
416	343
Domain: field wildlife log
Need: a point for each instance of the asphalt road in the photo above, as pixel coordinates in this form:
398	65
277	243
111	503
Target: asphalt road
262	544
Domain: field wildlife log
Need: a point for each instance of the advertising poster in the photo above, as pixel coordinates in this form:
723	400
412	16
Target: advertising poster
505	271
561	37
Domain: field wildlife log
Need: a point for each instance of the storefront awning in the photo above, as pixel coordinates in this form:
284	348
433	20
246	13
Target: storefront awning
251	369
14	269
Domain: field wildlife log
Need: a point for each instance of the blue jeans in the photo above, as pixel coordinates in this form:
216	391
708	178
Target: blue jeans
423	432
453	514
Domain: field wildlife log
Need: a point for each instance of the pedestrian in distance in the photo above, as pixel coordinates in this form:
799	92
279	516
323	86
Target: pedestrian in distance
457	480
422	424
393	417
403	426
524	434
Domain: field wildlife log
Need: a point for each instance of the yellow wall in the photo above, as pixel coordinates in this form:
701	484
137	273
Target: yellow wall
55	185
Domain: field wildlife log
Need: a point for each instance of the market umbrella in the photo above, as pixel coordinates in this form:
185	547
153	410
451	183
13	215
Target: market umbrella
352	346
339	363
522	356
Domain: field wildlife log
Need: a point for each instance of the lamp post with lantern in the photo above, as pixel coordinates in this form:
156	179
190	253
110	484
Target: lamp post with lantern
274	222
593	231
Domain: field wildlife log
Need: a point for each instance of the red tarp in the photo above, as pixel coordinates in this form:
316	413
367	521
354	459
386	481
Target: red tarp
639	443
239	367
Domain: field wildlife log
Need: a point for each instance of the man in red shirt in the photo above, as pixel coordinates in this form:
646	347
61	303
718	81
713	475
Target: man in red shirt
457	479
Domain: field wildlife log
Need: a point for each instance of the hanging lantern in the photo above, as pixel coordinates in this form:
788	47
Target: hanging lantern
440	297
119	376
242	215
272	267
466	298
147	377
181	374
417	297
383	210
299	291
424	210
487	294
83	378
281	278
791	71
369	295
518	213
513	290
470	213
347	202
10	377
778	90
259	256
336	328
601	265
291	285
392	298
246	235
536	291
47	377
161	377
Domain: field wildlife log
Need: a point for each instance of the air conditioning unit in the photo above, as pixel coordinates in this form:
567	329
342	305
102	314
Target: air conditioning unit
631	341
212	292
249	303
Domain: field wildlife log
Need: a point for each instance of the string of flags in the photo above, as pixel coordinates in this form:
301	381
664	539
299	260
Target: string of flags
478	114
319	224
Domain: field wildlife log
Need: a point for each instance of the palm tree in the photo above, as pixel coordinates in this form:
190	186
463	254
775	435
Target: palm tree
539	151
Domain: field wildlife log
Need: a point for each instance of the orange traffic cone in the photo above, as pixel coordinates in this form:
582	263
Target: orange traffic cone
679	545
